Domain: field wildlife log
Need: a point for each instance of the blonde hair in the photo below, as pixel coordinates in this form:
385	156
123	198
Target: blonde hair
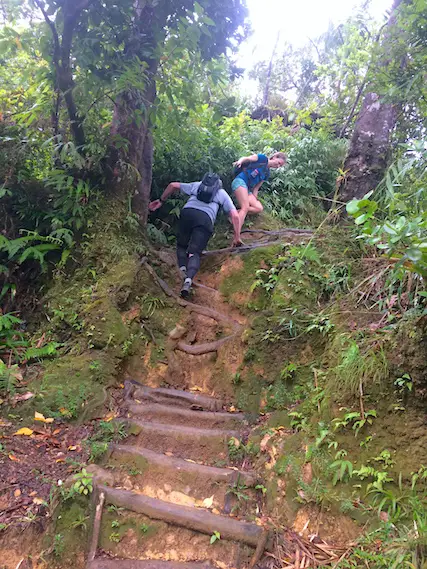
281	155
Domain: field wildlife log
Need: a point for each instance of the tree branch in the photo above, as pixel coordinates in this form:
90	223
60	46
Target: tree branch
57	45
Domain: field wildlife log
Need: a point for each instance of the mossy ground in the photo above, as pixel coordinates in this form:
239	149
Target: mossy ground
309	319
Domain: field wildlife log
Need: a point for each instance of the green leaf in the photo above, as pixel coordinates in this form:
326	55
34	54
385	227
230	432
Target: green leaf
353	207
361	219
414	254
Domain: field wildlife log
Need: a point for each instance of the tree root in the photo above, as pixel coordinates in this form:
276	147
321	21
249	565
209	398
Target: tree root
259	550
203	310
243	248
280	231
200	349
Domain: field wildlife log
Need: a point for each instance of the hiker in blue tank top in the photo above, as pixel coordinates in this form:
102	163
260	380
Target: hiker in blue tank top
251	172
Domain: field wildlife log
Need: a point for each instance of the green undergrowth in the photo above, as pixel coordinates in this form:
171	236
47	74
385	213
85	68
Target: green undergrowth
342	396
102	310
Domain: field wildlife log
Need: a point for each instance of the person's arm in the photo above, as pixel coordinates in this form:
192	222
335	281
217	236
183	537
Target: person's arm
172	187
251	158
255	189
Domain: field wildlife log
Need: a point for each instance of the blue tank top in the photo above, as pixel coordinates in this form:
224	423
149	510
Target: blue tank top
257	172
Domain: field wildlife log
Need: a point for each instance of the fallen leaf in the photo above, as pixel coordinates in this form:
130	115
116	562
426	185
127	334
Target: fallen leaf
195	388
60	460
263	444
22	397
38	501
33	493
17	493
169	453
110	416
236	442
24	431
72	447
232	408
13	457
208	502
122	385
215	511
189	460
41	417
4	423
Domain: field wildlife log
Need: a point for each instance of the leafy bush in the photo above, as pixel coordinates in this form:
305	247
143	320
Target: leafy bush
314	159
396	221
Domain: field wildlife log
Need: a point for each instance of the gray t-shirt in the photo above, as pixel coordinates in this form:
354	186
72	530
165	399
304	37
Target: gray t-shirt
222	199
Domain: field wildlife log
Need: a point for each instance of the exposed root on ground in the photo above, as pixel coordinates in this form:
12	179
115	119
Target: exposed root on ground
243	248
199	349
280	231
203	310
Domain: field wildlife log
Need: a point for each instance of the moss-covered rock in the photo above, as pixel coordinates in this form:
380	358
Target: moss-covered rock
73	385
104	326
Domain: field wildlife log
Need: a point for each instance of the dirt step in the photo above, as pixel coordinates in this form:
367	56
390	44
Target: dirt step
164	463
129	535
145	564
180	416
171	396
206	445
181	482
195	519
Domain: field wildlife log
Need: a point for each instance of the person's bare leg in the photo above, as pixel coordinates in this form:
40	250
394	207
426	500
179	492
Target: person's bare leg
255	206
242	197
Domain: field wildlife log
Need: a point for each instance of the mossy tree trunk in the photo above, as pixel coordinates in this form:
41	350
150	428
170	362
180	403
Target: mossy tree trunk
369	151
131	150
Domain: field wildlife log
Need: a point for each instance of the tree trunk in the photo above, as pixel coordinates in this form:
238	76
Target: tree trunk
130	157
266	95
62	61
369	152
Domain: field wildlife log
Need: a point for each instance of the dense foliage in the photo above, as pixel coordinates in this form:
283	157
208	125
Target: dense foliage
57	168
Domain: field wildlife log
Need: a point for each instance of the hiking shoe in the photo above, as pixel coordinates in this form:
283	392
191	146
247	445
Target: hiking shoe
183	272
186	287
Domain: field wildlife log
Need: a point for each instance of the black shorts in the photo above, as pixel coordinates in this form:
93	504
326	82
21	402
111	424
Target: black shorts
194	231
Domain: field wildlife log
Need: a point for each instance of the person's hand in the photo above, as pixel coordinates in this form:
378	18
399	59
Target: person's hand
238	163
152	206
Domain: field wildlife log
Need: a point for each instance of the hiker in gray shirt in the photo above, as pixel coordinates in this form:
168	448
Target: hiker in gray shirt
197	221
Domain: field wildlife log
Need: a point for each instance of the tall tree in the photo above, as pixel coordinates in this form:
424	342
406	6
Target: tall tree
369	151
158	30
113	52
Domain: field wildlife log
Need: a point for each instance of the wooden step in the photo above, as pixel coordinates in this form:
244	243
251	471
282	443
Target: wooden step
204	445
145	564
180	416
196	519
171	396
165	463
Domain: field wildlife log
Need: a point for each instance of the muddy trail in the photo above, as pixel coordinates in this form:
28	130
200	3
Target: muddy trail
169	495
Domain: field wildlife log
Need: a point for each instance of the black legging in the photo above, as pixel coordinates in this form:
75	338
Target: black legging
195	230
